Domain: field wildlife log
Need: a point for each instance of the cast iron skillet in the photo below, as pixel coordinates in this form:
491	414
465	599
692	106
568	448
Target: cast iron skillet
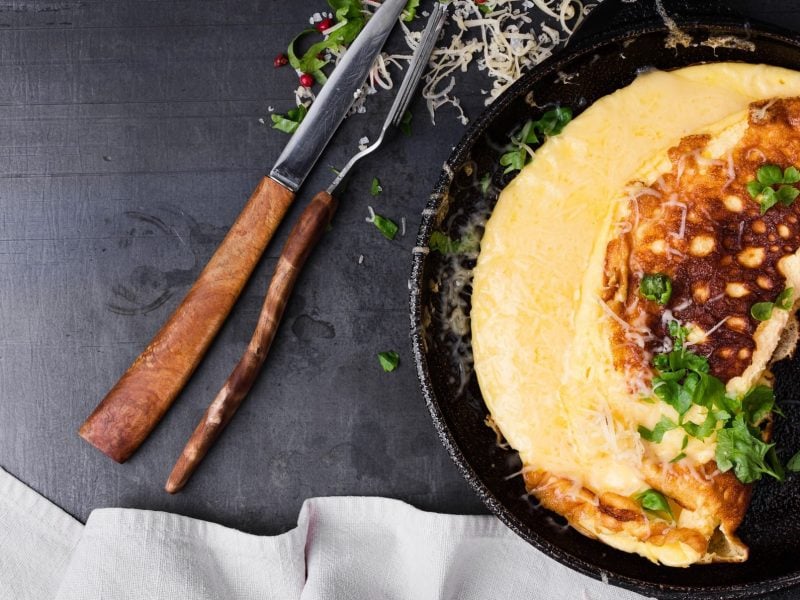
607	58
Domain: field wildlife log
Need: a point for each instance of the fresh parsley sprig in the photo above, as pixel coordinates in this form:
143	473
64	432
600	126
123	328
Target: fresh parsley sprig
289	122
763	188
682	381
551	123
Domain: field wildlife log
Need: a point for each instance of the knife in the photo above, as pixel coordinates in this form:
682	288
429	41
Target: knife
138	401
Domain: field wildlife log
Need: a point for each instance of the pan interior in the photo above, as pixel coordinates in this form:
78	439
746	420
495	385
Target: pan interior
440	310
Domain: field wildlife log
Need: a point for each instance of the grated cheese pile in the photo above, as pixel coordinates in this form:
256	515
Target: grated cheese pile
503	38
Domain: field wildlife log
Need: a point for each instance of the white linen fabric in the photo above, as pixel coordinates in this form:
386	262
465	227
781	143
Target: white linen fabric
342	548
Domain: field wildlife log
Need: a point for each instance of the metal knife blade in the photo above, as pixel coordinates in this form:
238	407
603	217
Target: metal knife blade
335	99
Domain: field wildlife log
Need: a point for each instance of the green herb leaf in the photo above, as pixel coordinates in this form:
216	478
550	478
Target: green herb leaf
761	311
443	244
767	199
551	123
786	194
784	300
791	175
754	188
794	463
386	226
680	456
704	429
654	501
656	434
389	360
769	174
375	189
742	450
484	8
656	287
758	403
410	11
405	123
485	182
289	122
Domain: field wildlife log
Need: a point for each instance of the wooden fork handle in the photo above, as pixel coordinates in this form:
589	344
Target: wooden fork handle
301	241
135	405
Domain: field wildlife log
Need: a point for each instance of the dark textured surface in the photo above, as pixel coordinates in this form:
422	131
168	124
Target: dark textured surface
129	140
771	526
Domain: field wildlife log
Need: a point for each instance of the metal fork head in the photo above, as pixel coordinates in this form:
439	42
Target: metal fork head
416	68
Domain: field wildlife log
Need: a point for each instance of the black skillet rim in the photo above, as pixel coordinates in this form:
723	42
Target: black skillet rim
427	225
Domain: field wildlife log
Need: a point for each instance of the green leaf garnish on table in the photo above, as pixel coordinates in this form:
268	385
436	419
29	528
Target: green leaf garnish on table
410	11
551	123
656	287
389	360
386	226
375	188
794	463
289	122
405	123
763	189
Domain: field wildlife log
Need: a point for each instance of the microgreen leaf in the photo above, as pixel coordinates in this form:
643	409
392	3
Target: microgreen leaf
761	311
386	226
769	174
656	287
786	194
784	299
289	122
375	188
514	160
767	199
754	188
791	175
654	501
389	360
656	434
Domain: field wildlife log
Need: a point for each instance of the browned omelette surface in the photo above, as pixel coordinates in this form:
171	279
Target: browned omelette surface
698	224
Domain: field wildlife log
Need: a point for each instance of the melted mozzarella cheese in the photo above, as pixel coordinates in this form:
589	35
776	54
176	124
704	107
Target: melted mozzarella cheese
544	366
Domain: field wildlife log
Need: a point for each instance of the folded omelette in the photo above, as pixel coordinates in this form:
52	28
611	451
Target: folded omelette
634	284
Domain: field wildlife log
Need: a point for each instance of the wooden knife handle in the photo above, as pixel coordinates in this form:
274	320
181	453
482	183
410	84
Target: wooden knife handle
301	241
135	405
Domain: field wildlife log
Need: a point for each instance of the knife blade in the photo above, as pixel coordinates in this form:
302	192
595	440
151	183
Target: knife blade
134	406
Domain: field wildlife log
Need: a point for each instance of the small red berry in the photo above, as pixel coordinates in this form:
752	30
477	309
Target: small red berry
324	25
280	61
480	1
306	80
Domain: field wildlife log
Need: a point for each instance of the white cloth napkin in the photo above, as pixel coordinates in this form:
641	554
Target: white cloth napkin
342	548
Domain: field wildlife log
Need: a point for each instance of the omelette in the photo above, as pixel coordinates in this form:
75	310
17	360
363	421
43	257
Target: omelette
634	284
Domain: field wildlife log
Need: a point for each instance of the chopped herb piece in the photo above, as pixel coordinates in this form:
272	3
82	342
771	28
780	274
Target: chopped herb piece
654	501
386	226
791	175
656	287
680	456
410	11
445	245
784	299
484	8
786	194
761	311
551	123
664	425
685	442
794	463
375	189
758	403
485	182
289	122
389	360
405	122
740	448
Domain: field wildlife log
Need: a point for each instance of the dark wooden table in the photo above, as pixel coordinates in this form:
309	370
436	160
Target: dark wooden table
130	136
